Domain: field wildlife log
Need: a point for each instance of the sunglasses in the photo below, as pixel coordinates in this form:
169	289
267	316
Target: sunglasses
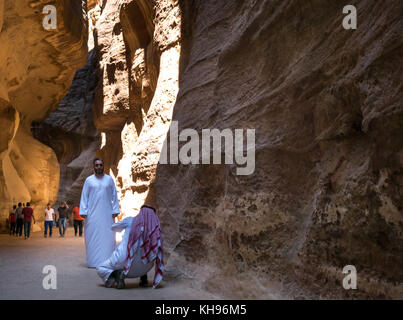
99	165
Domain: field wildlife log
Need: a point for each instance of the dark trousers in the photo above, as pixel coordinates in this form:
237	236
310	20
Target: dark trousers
12	228
27	228
48	224
78	224
20	223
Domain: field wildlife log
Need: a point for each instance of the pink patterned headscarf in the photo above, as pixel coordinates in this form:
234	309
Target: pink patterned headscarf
150	244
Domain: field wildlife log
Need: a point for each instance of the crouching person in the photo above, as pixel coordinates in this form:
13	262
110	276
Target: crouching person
140	250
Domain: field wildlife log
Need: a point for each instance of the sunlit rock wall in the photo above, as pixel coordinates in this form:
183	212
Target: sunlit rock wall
325	104
71	133
137	43
70	130
36	68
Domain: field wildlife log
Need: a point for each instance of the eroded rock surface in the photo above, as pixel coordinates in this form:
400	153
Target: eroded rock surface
71	133
325	104
36	68
136	91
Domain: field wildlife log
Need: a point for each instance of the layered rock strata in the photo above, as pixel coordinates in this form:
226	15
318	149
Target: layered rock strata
325	106
71	133
70	130
327	189
137	43
36	68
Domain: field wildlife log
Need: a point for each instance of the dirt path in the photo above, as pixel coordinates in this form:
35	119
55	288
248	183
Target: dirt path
22	262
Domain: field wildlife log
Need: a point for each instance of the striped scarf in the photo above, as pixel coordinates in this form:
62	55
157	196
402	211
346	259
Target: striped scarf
150	241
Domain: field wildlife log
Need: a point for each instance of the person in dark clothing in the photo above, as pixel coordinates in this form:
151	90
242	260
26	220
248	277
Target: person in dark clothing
78	221
20	220
12	220
62	215
28	214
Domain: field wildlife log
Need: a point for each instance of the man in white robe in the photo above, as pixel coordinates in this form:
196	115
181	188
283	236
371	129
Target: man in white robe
116	262
140	250
99	206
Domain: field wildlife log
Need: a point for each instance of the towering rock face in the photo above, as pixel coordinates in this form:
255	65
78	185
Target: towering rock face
324	102
71	133
326	192
137	43
135	67
70	130
36	68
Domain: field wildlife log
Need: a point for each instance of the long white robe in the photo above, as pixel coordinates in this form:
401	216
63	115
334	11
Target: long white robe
99	201
117	259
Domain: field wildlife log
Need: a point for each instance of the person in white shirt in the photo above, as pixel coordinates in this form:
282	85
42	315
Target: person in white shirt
49	216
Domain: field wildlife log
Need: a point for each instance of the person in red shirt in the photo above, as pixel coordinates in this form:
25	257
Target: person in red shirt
78	222
28	214
12	220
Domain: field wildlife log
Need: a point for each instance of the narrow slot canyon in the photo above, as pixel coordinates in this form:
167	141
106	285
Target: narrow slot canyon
130	80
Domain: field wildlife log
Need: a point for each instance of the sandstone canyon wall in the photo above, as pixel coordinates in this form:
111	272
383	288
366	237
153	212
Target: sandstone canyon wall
138	48
71	133
136	81
327	190
325	104
36	68
70	130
